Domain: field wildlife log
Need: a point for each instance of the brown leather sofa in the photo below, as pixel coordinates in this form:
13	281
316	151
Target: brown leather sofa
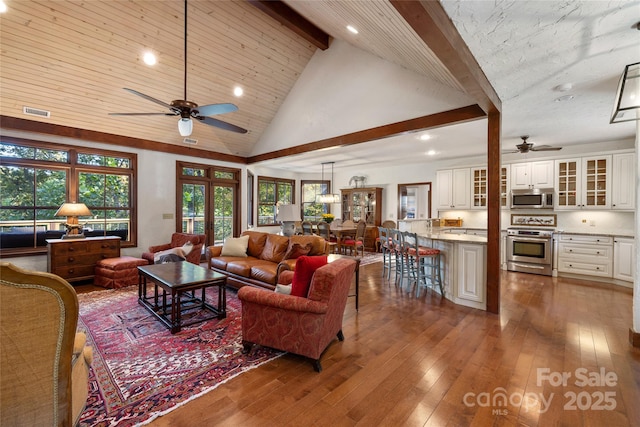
265	258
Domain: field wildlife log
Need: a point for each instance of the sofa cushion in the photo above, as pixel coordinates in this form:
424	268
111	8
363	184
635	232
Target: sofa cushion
296	250
241	267
221	262
235	246
257	240
305	267
274	248
264	271
317	243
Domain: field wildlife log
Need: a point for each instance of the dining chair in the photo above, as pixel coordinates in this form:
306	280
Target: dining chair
385	247
386	224
396	248
324	231
418	259
357	242
307	228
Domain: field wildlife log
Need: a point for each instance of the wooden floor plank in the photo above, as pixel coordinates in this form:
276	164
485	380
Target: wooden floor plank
424	361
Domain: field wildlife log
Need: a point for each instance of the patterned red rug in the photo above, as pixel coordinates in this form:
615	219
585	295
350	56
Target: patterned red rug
140	371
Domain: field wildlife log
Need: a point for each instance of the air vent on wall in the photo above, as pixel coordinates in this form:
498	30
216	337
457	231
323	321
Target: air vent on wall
30	111
190	141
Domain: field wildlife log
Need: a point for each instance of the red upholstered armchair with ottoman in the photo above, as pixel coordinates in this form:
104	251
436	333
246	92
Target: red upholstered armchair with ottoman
178	240
300	325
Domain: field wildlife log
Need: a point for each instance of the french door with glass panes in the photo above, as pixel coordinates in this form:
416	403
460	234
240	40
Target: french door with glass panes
208	201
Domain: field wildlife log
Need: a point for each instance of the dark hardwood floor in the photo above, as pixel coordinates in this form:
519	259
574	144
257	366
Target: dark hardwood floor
423	360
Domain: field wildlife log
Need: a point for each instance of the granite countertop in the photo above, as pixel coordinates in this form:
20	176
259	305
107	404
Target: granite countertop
608	233
448	237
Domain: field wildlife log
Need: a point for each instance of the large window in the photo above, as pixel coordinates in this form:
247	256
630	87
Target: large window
37	177
312	211
273	192
208	201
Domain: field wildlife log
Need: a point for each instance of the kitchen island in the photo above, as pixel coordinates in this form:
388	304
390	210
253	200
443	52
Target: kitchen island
462	265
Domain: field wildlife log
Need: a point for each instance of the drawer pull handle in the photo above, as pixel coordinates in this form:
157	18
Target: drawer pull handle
570	250
597	268
71	271
71	249
598	252
71	259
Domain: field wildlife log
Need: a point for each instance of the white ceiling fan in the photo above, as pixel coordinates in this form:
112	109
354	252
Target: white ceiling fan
188	109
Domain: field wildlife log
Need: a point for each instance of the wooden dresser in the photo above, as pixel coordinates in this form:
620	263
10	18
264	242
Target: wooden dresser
75	259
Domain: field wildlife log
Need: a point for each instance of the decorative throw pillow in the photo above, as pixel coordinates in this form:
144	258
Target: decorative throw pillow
235	246
297	250
187	248
305	267
283	289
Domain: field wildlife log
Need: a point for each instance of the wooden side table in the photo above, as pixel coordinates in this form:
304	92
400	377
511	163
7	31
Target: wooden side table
75	259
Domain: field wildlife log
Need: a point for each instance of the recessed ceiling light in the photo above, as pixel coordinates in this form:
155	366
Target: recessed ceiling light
3	6
431	153
425	137
352	29
149	58
238	91
564	98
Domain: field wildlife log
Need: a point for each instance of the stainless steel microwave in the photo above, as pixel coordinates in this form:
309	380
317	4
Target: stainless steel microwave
534	198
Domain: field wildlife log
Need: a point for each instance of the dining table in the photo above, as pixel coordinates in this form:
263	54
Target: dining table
342	231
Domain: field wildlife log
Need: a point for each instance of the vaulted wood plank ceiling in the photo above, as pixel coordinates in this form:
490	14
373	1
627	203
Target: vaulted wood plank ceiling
73	58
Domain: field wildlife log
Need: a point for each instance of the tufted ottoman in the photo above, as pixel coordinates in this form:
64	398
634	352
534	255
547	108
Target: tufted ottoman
118	272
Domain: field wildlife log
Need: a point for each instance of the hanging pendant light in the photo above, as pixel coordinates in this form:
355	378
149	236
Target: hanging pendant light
324	197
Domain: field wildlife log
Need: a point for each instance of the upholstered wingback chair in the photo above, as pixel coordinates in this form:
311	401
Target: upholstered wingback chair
44	363
304	326
177	241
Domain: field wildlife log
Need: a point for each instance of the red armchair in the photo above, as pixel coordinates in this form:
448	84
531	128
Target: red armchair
304	326
178	240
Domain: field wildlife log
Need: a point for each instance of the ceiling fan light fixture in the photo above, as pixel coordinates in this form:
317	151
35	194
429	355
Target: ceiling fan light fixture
185	126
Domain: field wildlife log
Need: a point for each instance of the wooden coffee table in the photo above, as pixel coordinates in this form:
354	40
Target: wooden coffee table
179	282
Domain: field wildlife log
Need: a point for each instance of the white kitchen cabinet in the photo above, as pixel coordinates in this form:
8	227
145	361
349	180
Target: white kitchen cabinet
532	175
590	255
470	287
583	183
624	258
453	189
479	187
623	178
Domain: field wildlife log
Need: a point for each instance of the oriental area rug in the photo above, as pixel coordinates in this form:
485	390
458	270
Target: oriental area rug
371	258
141	371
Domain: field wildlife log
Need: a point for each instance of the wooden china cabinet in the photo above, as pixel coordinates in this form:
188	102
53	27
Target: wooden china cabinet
364	204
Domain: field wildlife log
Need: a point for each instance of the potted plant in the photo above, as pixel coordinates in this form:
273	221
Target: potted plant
327	217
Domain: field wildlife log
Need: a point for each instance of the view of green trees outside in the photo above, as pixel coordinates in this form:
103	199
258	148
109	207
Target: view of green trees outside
29	195
312	211
222	213
270	193
193	210
33	187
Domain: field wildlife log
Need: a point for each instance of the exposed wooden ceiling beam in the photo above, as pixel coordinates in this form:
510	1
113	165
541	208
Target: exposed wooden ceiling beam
459	115
15	123
291	19
430	21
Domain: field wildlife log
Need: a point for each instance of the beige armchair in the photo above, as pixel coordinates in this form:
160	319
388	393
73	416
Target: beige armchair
44	363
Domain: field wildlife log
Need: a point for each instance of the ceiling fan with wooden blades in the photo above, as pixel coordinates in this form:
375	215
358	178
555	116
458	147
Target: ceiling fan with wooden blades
188	110
525	147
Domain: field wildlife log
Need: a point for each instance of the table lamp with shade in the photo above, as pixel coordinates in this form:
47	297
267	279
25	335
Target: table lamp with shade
72	211
288	215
